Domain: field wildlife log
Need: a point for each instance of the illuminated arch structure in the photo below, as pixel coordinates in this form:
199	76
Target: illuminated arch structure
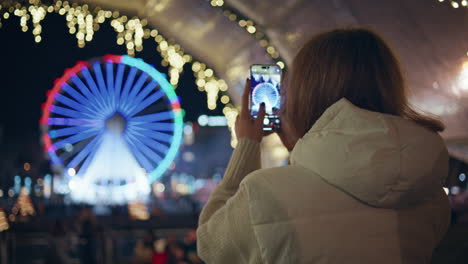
84	21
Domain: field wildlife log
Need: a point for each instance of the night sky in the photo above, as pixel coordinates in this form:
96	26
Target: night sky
28	70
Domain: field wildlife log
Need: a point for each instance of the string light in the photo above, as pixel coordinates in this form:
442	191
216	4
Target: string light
231	113
225	99
456	3
3	221
83	22
252	28
217	2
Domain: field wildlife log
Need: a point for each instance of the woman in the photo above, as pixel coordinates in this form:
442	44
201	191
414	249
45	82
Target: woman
364	184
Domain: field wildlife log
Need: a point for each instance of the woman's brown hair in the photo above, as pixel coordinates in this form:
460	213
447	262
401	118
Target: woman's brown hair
355	64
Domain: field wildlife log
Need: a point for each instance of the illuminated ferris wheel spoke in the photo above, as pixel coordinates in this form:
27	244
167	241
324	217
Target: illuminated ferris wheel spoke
150	142
161	116
118	83
75	138
151	154
128	84
84	167
101	84
159	126
147	102
155	141
70	151
96	99
144	162
71	91
68	131
83	88
161	148
114	129
91	83
96	104
84	152
95	91
136	88
155	145
159	136
69	113
155	157
63	121
74	105
130	96
91	110
110	82
100	80
144	92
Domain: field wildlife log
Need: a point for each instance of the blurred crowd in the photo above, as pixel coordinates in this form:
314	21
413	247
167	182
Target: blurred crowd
70	243
168	250
86	241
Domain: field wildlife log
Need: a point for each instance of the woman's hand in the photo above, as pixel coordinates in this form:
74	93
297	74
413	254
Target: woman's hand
246	125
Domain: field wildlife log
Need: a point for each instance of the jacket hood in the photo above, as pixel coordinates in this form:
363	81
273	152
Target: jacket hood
382	160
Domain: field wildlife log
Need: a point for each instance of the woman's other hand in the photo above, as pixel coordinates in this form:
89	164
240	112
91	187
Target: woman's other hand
246	125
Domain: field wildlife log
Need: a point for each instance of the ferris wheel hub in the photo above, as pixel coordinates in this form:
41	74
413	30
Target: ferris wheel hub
116	123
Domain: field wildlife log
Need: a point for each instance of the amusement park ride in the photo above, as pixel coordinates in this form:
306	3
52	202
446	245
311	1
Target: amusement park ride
111	126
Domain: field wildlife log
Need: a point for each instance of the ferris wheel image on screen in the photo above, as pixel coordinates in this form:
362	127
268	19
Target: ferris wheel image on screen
265	91
113	125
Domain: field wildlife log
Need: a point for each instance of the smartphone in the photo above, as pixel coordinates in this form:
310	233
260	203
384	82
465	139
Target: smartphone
265	83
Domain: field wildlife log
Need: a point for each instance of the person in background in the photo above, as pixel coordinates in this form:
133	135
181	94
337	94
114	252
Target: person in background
364	181
59	245
190	247
161	252
143	251
88	241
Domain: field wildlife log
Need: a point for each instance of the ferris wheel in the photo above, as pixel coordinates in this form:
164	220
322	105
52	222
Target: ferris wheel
267	93
112	125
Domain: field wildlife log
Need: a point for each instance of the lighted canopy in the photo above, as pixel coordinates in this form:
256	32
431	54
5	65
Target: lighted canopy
114	125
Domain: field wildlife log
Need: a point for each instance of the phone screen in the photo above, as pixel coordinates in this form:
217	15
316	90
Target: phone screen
265	88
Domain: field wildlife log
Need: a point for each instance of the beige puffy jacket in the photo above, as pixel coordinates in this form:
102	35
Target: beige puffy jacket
362	187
